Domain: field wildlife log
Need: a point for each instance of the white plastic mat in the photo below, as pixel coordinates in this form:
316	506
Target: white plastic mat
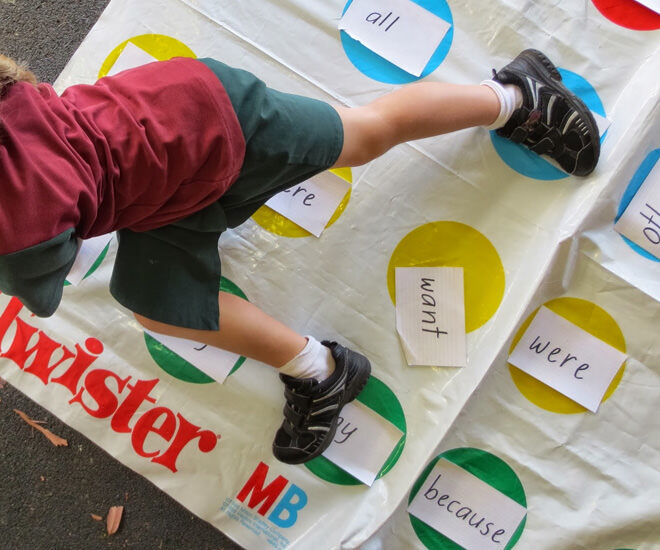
590	481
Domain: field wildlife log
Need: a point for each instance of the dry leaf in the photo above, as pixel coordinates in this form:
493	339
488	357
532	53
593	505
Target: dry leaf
54	439
96	517
113	519
42	478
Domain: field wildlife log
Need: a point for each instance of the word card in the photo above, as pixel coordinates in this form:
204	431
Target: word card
401	31
567	358
602	123
640	221
88	252
364	440
466	509
312	203
215	362
430	315
130	57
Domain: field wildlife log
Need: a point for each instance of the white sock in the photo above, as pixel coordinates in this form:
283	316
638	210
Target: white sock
314	361
510	97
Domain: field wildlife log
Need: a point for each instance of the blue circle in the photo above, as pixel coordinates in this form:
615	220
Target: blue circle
529	164
378	68
635	183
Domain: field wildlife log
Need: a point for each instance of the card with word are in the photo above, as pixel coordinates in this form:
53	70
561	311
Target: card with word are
430	315
363	442
640	221
401	31
567	358
215	362
312	203
130	57
89	251
466	509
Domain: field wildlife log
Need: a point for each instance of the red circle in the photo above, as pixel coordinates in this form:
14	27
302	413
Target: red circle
94	346
629	14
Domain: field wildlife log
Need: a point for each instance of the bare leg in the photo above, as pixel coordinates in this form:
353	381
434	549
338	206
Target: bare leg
415	111
244	329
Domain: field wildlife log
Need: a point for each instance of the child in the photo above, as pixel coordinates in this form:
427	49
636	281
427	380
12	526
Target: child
171	154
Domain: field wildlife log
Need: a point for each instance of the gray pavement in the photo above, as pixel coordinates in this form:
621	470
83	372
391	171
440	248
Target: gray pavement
47	493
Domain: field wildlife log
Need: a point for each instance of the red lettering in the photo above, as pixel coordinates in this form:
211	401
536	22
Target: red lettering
138	395
258	493
106	400
146	423
71	378
10	313
184	435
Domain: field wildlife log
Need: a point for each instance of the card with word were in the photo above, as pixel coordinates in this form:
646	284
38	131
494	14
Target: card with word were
640	221
401	31
466	509
430	315
363	442
312	203
215	362
88	252
567	358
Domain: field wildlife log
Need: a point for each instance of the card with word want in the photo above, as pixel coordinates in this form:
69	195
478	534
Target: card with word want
567	358
401	31
466	509
640	222
430	315
363	442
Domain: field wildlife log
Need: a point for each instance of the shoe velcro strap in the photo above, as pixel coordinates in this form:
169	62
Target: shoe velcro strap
300	401
295	418
549	144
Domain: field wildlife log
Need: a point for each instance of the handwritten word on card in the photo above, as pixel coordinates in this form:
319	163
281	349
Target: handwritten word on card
401	31
465	509
312	203
430	315
363	442
88	252
130	57
640	222
215	362
567	358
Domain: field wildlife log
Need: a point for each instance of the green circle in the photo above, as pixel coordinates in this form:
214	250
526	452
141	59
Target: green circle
178	367
95	265
488	468
380	399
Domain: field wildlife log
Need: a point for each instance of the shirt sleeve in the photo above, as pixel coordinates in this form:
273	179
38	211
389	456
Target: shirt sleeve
36	275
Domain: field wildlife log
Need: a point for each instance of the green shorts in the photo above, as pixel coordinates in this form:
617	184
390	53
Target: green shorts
172	274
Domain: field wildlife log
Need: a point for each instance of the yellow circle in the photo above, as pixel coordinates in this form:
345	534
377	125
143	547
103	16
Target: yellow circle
453	244
276	223
589	317
160	46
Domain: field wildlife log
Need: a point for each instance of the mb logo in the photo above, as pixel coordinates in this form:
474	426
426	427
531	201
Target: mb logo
285	513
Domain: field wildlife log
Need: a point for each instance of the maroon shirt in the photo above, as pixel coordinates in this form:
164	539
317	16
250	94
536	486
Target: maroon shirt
145	148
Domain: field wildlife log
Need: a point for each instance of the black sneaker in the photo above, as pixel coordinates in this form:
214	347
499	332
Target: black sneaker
552	121
312	408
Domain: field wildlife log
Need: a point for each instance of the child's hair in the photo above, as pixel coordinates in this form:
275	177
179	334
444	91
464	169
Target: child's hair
12	72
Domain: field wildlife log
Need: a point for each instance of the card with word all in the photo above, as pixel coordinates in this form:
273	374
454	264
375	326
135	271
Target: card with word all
363	442
465	509
401	31
88	252
567	358
312	203
430	315
640	221
215	362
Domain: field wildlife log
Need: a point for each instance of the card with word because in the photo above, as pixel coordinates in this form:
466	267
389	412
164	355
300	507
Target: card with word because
312	203
401	31
430	315
567	358
640	221
466	509
363	442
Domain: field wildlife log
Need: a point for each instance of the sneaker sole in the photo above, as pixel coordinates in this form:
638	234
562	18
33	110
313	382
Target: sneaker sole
547	72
